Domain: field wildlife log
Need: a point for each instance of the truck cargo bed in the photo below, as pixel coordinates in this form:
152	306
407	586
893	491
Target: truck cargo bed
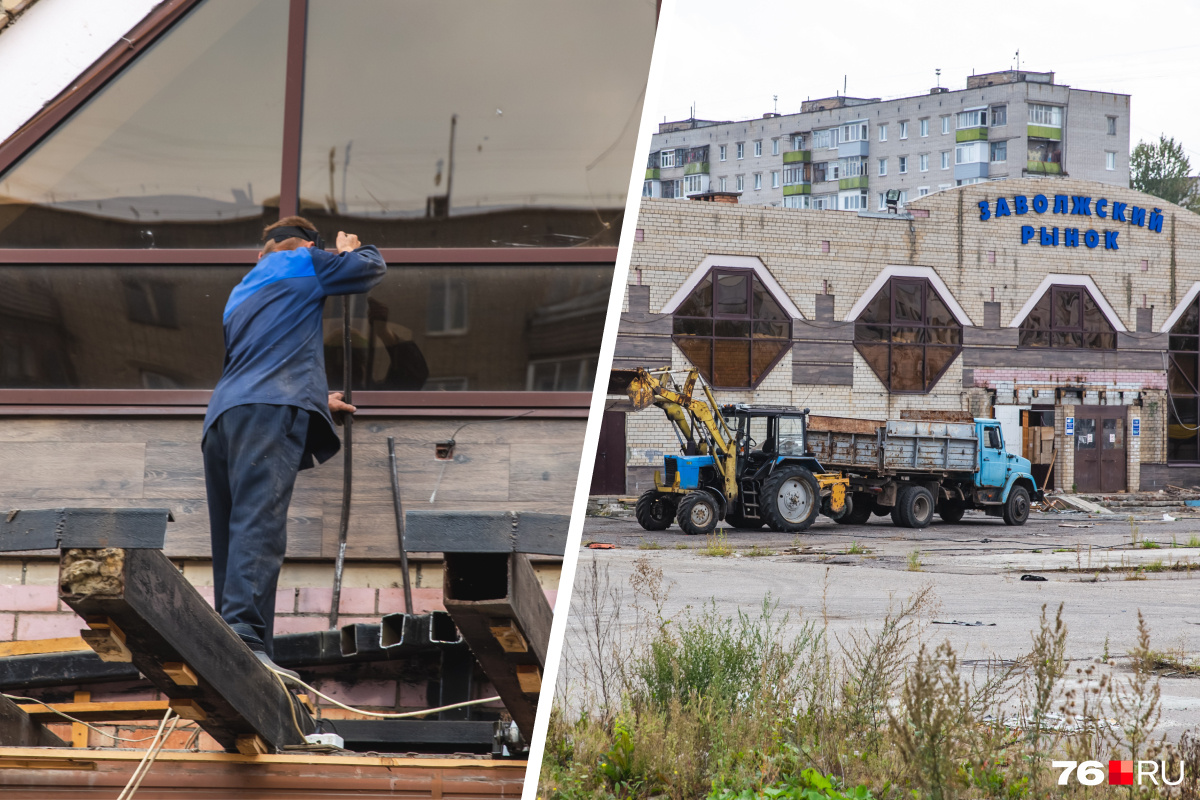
897	446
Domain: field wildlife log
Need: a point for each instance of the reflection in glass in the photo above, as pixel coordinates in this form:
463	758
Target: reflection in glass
917	319
458	123
160	328
1183	386
181	150
1067	317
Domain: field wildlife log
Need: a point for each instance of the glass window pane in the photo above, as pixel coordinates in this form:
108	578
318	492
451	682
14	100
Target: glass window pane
765	306
728	328
693	327
731	295
908	335
1183	343
872	333
880	308
943	335
699	352
1181	430
699	302
774	330
183	149
731	362
1039	317
1181	375
1034	338
937	313
908	301
1100	341
936	361
1093	318
876	356
134	327
1085	433
1113	434
1066	339
1066	309
543	100
1189	321
908	369
764	356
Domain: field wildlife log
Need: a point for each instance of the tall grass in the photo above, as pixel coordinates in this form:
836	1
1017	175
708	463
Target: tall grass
761	704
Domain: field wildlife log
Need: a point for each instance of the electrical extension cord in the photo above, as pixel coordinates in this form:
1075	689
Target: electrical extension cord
404	715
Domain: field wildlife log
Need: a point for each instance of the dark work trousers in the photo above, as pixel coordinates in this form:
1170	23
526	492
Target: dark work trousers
251	457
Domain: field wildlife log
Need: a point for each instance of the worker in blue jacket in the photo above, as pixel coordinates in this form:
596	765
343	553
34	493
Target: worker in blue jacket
271	413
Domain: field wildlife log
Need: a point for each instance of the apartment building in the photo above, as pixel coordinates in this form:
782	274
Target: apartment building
846	153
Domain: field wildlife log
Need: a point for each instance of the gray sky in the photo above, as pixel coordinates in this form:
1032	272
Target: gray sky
730	57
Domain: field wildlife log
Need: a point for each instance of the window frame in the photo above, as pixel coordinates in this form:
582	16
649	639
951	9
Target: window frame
1183	344
930	383
1052	327
159	22
721	152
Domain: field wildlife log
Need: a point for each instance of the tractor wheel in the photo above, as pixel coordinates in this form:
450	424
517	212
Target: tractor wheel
697	514
736	520
655	510
1016	509
791	499
951	511
859	513
914	507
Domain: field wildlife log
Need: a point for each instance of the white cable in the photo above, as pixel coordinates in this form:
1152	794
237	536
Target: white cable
148	759
421	713
78	721
153	756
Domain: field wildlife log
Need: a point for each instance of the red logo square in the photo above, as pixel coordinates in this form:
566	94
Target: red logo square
1120	773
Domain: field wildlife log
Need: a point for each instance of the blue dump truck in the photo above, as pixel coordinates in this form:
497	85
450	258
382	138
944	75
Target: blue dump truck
911	468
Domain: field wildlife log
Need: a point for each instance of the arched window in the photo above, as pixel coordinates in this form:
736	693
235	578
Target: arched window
1067	316
732	328
1184	387
908	335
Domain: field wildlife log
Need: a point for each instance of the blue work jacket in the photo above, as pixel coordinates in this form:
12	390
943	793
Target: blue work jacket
274	352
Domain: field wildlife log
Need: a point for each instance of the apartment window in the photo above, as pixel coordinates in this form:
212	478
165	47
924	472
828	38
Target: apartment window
732	328
1112	126
882	167
907	335
648	189
903	164
758	148
903	130
693	184
924	125
924	162
721	152
999	116
971	153
758	180
741	150
447	312
774	147
945	124
975	118
666	158
999	151
852	167
922	191
854	202
854	132
774	180
825	201
798	141
572	374
740	182
797	201
883	132
796	174
724	184
882	202
825	138
903	196
945	159
944	186
1050	116
833	171
1067	317
1110	161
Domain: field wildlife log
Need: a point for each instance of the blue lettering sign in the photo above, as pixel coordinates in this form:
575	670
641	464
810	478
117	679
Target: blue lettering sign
1020	204
1050	239
1137	427
1081	206
1070	237
1101	208
1110	240
1026	233
1091	239
1137	216
1156	218
1060	204
1002	208
1118	214
1039	203
984	213
1069	427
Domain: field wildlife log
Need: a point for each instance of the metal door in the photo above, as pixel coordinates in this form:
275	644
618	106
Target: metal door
993	459
1100	457
1112	454
608	474
1087	455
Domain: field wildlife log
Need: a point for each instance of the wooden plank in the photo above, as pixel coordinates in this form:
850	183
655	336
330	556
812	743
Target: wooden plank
18	729
22	529
823	374
82	469
41	646
79	731
482	589
866	427
165	620
97	712
544	470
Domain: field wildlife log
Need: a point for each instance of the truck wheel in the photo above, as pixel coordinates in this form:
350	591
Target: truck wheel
655	510
791	499
881	511
859	511
951	511
697	514
736	520
1016	509
914	507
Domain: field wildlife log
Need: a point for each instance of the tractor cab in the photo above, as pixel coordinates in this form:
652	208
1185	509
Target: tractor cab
766	434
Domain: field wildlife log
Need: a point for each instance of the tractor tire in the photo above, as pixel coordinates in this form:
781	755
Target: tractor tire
697	514
860	511
914	507
655	510
1016	508
790	499
951	511
736	520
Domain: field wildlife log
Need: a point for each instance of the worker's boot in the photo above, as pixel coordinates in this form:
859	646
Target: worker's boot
271	665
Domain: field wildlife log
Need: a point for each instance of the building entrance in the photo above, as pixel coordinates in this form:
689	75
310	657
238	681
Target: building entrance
1100	460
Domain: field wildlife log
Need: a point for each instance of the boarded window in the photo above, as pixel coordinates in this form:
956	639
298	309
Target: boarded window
1067	316
732	328
908	335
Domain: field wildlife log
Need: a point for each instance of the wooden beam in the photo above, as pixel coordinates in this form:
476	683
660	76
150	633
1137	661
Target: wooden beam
41	646
97	712
164	620
54	528
18	729
491	591
485	532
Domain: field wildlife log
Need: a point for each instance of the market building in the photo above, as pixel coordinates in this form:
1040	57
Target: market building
1067	309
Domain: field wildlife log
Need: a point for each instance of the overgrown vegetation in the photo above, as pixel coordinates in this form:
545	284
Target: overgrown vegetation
767	705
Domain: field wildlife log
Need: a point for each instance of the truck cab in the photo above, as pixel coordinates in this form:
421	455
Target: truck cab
1000	473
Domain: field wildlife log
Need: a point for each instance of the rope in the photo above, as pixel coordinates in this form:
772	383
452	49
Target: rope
77	721
143	767
403	715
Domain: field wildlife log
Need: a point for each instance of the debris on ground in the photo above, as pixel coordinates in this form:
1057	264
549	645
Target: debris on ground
1032	578
1077	525
1067	503
975	624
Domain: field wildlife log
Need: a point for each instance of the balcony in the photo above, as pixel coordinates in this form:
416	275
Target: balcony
697	168
1044	132
797	157
652	174
797	188
852	149
1043	168
857	182
979	134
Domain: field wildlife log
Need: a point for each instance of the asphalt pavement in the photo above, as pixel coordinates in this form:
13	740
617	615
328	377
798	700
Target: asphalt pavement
1102	568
